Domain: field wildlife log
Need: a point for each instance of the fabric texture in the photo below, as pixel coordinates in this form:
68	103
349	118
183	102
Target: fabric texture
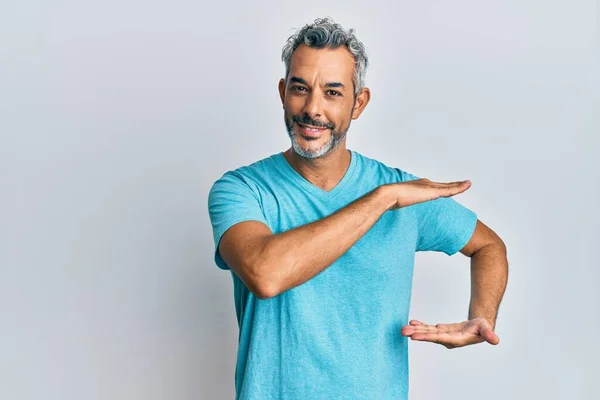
336	336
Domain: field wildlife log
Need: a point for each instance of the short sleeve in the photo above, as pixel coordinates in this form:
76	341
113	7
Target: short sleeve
444	224
230	201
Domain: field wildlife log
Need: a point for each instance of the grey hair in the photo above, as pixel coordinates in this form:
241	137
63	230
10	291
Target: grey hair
324	33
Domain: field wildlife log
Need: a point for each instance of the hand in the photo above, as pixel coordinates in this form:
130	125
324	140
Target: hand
417	191
450	336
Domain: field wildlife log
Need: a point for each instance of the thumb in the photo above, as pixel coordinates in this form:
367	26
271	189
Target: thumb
488	334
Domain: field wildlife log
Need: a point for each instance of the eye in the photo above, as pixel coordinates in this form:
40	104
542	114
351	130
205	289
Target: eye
297	88
334	92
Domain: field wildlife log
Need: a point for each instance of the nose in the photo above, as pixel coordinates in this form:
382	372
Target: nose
314	105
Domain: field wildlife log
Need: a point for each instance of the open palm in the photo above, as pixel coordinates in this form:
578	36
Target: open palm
460	334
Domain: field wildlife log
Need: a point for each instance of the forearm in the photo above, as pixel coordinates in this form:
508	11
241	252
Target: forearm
489	276
295	256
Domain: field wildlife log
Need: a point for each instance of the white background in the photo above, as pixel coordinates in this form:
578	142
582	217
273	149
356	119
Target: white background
117	116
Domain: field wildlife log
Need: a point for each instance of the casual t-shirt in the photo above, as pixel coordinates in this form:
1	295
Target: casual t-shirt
337	335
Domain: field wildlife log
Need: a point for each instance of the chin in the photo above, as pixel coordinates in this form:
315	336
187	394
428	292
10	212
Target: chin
311	152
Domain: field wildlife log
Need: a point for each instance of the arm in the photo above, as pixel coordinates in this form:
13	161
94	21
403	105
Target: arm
489	276
271	264
489	273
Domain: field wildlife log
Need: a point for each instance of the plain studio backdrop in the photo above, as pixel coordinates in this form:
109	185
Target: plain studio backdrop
117	116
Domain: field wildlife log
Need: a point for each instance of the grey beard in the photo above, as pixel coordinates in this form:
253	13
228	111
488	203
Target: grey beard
334	141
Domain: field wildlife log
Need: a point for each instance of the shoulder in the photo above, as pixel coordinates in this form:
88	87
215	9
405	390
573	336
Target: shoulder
251	174
380	170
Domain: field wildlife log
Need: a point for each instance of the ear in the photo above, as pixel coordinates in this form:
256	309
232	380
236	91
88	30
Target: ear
282	90
362	99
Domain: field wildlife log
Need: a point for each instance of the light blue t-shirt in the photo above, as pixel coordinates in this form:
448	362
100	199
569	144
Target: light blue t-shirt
336	336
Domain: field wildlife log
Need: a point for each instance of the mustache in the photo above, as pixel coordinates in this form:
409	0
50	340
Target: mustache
306	120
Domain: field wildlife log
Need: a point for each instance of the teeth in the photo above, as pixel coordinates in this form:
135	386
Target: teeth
309	129
312	129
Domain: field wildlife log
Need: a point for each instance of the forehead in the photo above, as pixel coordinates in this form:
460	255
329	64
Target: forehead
324	64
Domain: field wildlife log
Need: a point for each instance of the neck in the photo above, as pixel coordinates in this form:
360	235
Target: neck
324	172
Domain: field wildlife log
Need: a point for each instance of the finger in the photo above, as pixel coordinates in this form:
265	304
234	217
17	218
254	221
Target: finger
438	338
486	331
408	330
490	337
449	184
413	192
415	326
419	327
453	188
424	328
448	189
447	339
441	328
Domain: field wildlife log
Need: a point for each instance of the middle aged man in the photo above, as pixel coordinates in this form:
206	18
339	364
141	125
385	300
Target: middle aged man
320	242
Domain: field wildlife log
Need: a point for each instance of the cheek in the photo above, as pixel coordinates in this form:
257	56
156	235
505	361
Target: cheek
294	104
288	112
342	117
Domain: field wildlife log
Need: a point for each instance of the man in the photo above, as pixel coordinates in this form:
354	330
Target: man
320	241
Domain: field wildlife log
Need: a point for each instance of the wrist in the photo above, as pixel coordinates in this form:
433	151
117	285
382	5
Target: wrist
384	196
492	321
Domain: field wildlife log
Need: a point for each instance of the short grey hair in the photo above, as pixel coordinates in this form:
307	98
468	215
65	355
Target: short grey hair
324	33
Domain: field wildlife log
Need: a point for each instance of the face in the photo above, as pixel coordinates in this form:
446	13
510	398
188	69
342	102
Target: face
318	99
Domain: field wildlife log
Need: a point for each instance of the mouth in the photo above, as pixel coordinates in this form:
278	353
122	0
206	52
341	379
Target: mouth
311	131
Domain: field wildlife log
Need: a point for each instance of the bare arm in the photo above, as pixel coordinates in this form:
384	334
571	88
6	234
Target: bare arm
272	264
489	276
489	273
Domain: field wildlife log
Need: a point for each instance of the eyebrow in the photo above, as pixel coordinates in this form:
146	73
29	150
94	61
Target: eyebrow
329	84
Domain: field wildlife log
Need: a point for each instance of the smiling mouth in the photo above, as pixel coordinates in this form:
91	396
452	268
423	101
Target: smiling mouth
312	128
311	131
